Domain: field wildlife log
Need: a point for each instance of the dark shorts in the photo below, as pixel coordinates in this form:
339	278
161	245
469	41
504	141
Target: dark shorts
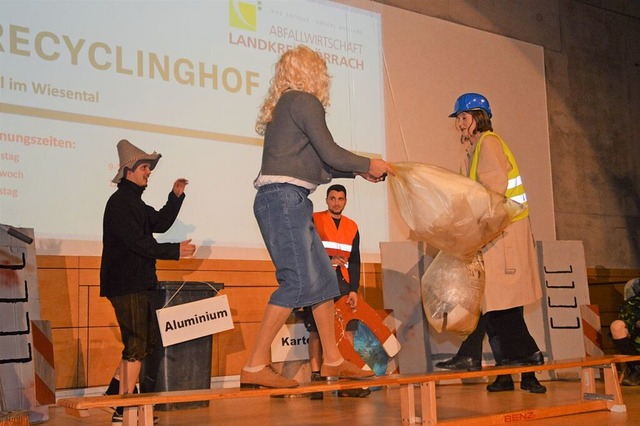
310	322
137	322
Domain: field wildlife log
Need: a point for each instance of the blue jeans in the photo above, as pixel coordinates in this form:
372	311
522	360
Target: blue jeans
303	269
310	321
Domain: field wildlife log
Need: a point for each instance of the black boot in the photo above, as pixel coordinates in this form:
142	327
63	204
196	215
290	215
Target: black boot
316	377
631	374
503	382
354	393
118	414
114	387
459	362
625	346
536	358
631	371
529	383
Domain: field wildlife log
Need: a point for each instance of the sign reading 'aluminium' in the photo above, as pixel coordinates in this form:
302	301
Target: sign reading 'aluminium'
189	321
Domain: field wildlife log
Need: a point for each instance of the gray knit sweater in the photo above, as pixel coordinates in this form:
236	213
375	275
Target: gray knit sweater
298	144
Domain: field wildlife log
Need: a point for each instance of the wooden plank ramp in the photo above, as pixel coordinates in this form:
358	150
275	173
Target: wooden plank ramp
139	407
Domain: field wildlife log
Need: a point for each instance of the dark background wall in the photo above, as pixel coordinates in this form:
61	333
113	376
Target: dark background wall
592	67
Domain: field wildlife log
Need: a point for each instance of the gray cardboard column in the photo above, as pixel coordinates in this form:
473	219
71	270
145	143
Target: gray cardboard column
403	264
19	306
563	273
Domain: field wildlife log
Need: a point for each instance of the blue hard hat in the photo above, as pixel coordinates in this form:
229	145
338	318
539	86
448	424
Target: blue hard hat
470	101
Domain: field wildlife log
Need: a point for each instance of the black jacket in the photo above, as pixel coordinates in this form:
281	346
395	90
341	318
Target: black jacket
129	251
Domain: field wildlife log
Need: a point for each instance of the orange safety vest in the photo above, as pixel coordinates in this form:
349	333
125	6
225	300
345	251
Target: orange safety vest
336	241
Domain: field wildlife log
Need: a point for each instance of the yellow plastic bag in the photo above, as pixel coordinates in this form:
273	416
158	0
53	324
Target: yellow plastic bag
452	292
449	211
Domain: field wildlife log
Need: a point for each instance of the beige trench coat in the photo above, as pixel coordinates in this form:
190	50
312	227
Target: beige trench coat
510	260
511	269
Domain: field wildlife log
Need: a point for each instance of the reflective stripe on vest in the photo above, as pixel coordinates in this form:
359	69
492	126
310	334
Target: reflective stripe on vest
515	188
336	241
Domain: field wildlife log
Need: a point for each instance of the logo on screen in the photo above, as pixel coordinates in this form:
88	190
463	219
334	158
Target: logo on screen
243	15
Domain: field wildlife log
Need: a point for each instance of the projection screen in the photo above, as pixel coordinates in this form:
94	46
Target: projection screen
184	79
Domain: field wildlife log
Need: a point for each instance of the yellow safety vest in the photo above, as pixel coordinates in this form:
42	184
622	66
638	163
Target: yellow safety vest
515	188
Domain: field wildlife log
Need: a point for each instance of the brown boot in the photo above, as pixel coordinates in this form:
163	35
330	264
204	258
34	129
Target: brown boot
346	370
266	377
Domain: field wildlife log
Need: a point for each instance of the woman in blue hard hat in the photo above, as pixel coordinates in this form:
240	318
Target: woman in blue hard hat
510	260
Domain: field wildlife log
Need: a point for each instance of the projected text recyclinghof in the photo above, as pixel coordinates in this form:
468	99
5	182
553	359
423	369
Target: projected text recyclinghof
101	56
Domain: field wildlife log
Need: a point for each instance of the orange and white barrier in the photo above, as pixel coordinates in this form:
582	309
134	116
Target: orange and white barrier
45	380
375	323
592	330
390	322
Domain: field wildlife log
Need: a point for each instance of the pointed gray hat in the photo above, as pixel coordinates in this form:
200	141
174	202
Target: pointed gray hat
129	155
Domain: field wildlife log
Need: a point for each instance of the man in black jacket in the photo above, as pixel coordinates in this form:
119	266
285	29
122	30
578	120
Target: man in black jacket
129	253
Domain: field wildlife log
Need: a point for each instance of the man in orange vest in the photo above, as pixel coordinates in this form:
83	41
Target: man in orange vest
341	240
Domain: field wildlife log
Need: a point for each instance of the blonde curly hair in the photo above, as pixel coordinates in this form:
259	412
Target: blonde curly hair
300	68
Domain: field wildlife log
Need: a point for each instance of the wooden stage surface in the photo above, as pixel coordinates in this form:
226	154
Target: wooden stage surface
381	408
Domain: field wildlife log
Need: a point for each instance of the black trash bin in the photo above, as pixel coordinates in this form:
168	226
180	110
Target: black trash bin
185	365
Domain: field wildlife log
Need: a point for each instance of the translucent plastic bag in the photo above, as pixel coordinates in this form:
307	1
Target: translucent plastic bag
452	292
449	211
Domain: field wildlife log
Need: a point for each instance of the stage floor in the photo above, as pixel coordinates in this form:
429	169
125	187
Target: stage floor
380	408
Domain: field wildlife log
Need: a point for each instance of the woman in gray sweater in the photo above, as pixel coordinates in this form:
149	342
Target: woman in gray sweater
299	154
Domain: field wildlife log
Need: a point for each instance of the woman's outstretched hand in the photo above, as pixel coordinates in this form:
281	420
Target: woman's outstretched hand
378	170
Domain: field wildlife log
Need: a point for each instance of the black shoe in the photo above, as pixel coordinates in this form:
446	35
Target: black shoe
535	358
316	377
113	389
460	363
354	393
532	385
117	417
503	382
